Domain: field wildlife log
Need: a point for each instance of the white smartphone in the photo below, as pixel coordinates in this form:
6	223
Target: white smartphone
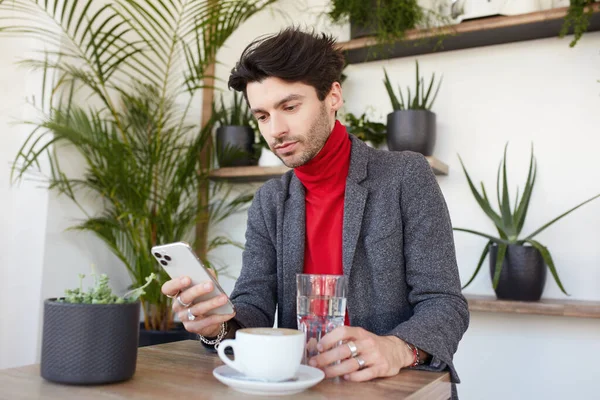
178	259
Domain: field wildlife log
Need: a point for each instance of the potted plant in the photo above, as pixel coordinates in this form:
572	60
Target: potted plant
412	124
517	264
91	337
139	147
372	133
577	19
386	20
235	135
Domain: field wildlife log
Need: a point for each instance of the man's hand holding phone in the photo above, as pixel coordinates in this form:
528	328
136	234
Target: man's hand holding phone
185	306
198	299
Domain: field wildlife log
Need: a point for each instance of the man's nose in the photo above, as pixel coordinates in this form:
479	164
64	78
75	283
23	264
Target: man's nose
278	127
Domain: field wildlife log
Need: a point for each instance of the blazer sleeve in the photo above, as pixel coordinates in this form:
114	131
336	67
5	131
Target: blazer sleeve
440	312
255	292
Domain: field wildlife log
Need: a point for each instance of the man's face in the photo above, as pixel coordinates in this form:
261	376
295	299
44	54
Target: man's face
292	119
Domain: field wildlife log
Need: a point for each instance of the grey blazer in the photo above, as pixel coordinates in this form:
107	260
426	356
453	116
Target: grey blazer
398	254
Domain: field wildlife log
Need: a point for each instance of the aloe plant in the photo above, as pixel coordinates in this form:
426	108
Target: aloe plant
421	99
510	219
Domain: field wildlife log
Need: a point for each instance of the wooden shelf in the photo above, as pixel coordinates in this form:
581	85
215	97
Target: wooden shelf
248	174
556	307
261	174
439	168
474	33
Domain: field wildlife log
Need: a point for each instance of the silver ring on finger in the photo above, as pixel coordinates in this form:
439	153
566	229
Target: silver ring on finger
353	349
190	316
361	362
173	296
182	303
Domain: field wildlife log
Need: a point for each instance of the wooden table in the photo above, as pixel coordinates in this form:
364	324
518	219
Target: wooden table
183	370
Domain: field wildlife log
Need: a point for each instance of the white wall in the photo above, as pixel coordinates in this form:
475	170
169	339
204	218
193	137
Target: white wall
538	91
23	217
39	257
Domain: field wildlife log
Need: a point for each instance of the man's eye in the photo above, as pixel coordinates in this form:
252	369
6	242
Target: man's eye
261	118
290	108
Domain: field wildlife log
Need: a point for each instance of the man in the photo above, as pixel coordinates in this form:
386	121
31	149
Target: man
377	217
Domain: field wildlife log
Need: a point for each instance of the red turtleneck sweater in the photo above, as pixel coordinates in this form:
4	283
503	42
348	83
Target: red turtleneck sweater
324	180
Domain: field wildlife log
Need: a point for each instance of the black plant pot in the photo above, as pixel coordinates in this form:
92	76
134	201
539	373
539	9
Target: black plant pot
358	31
412	130
523	273
235	146
89	343
149	338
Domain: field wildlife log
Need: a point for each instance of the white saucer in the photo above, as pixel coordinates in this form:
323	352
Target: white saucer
306	377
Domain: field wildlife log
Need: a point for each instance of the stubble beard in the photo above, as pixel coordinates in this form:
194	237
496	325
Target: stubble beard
313	142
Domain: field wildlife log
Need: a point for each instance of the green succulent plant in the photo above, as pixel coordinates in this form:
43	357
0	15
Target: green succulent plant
421	99
101	293
510	219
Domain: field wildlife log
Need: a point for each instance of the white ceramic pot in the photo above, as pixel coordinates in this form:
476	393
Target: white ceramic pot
446	8
516	7
478	8
268	159
548	4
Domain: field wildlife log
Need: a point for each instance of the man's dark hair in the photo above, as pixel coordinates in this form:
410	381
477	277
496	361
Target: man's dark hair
293	56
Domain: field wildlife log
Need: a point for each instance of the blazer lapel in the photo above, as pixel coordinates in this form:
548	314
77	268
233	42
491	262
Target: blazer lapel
355	199
293	233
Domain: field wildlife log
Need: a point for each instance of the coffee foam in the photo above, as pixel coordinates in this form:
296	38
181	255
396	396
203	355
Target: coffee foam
271	331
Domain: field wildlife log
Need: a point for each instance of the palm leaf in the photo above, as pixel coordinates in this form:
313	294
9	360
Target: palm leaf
140	153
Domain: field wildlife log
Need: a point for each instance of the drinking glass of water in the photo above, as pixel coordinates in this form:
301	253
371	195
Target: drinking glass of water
320	307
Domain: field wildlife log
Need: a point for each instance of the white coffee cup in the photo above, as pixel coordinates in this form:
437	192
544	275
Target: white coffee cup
270	354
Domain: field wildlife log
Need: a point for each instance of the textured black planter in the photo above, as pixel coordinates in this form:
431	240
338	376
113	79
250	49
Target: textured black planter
412	130
359	31
149	338
523	273
89	343
235	146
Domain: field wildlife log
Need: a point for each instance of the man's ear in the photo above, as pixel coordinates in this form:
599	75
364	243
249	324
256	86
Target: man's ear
334	97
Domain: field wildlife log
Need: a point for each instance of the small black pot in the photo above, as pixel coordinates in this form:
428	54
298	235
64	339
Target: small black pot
358	31
413	130
149	338
235	146
89	343
523	273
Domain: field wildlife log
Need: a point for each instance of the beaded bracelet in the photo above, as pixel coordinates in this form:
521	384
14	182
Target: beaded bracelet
416	355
